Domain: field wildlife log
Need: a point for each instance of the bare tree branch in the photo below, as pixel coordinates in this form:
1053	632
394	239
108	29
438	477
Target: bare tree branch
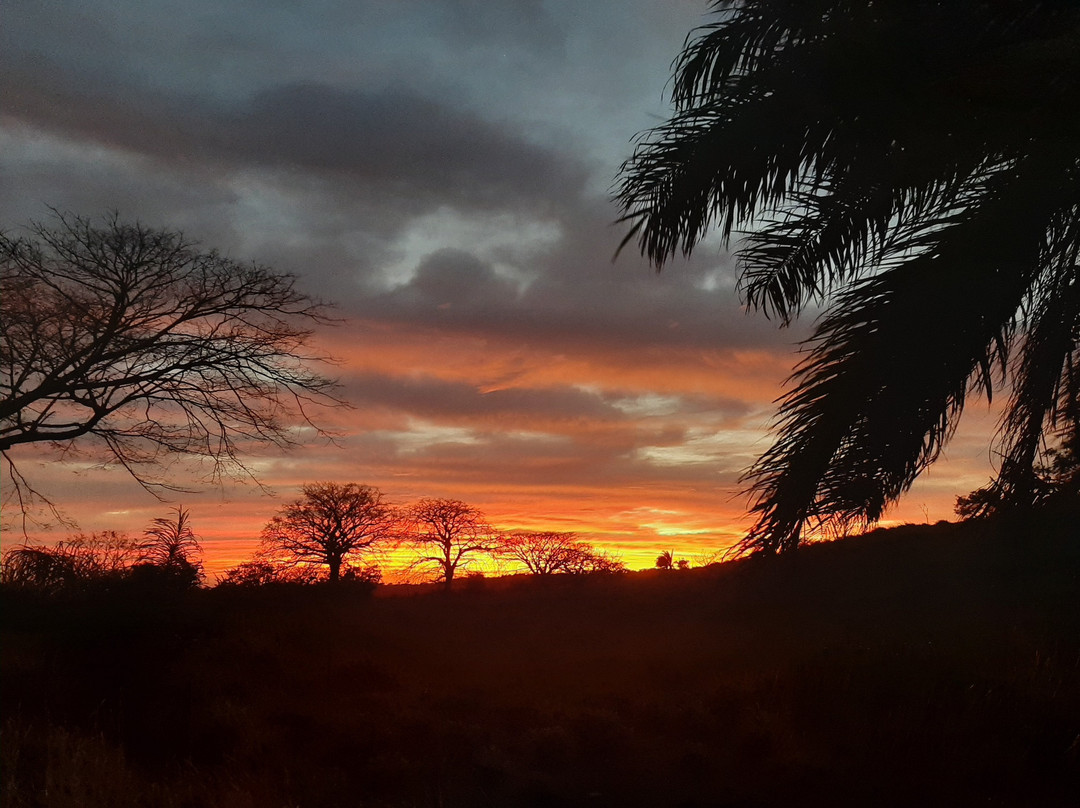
137	344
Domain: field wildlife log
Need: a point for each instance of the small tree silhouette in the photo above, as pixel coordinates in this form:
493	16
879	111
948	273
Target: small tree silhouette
667	561
448	534
169	547
329	525
549	552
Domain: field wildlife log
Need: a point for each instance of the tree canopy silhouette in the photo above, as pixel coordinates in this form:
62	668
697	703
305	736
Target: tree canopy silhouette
914	167
138	338
549	552
448	534
329	525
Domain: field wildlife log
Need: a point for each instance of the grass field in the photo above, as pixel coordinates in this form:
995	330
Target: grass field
926	665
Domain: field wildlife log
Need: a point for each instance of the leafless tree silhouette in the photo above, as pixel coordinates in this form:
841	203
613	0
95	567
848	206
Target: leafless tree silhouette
136	341
448	534
548	553
329	525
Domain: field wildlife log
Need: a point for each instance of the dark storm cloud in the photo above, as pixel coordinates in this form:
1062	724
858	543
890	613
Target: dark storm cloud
391	142
576	409
399	140
509	460
427	397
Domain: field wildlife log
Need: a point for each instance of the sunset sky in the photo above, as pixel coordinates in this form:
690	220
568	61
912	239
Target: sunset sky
440	172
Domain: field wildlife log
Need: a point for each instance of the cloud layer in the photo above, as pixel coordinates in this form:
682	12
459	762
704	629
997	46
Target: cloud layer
440	173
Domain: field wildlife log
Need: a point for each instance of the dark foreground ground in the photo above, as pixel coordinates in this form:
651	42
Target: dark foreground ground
919	666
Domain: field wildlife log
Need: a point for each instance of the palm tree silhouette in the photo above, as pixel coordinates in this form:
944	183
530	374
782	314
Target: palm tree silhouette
914	167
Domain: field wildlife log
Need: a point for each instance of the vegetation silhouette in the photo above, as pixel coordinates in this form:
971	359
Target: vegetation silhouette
170	550
262	571
667	561
448	534
1056	486
914	167
137	342
167	558
330	525
79	561
923	665
546	553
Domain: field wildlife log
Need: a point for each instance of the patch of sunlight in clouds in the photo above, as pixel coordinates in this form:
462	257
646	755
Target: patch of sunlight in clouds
665	522
422	434
40	147
648	404
717	280
266	212
702	446
532	436
505	240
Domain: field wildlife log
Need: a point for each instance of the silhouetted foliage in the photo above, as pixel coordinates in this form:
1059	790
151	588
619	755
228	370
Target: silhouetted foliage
75	562
914	166
268	571
549	553
136	338
166	556
449	535
590	562
853	674
667	561
1056	483
265	572
329	526
170	550
38	568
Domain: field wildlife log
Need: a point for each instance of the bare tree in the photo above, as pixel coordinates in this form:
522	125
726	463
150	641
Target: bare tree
448	535
548	553
597	561
540	552
139	339
330	525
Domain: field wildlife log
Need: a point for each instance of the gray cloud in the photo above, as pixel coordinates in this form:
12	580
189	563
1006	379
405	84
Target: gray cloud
427	397
392	143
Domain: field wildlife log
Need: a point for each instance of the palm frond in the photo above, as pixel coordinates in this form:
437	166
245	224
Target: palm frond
889	367
1045	397
914	162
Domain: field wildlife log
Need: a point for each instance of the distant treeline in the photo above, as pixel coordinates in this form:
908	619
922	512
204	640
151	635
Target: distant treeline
334	532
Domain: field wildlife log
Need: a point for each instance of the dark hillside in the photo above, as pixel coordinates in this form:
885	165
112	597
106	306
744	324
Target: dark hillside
935	665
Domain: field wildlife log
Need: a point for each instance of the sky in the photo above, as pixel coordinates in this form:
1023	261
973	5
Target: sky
440	172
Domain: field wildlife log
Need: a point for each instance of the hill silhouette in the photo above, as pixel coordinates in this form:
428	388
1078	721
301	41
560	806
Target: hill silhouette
934	665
